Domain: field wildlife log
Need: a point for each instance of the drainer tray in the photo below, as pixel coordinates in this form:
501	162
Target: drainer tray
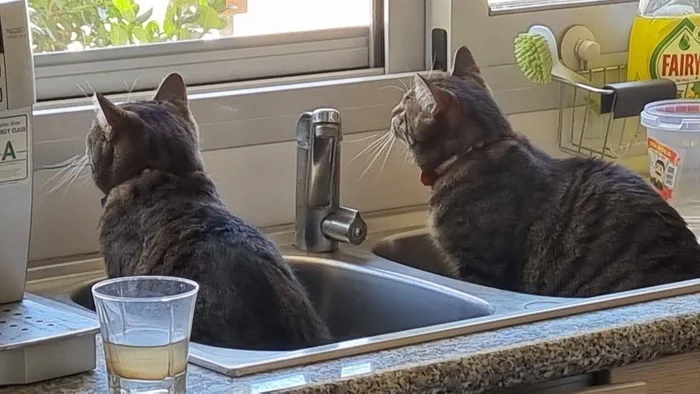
40	339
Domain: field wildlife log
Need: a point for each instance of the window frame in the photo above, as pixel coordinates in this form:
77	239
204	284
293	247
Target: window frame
111	70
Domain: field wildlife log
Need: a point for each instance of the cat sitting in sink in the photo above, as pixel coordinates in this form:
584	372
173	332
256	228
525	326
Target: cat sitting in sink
164	216
508	215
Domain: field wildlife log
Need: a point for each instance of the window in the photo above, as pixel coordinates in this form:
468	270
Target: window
102	44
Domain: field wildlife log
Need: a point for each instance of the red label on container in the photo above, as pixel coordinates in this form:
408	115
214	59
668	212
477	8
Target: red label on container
664	163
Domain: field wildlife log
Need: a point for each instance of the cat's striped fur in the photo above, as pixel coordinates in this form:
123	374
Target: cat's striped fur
164	216
508	215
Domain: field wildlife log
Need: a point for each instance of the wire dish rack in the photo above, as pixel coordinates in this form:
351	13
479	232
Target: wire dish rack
584	131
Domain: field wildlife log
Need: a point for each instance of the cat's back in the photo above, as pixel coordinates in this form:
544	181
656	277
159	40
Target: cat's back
170	213
606	191
601	229
179	226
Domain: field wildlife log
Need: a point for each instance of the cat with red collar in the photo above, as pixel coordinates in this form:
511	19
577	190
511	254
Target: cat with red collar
508	215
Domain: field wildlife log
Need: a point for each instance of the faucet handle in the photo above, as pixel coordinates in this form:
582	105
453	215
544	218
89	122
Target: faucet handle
345	225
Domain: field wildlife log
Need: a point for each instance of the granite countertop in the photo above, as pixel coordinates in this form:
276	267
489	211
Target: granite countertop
475	363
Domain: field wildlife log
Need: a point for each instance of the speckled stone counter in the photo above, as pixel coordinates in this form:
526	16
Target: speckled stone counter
475	363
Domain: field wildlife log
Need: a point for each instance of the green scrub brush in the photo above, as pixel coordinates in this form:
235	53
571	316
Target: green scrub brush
537	55
534	57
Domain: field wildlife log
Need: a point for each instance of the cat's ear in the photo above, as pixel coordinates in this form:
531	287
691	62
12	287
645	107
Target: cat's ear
110	117
464	63
172	88
431	98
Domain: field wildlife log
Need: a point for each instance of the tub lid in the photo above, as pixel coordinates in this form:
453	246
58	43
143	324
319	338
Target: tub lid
672	115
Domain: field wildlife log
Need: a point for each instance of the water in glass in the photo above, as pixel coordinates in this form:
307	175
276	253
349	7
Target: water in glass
146	323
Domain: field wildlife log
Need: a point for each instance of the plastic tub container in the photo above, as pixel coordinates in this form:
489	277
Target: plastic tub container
673	145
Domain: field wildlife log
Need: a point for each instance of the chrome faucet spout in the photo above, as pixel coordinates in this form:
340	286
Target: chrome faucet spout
320	220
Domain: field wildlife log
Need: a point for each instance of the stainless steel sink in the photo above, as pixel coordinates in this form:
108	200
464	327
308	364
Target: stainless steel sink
357	302
414	249
372	303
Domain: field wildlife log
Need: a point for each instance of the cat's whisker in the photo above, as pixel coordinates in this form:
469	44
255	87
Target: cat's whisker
90	86
77	167
432	67
369	166
59	174
377	153
370	147
404	85
74	176
376	148
399	88
60	183
68	174
406	151
84	178
361	139
386	157
82	90
67	162
130	89
133	85
228	108
63	167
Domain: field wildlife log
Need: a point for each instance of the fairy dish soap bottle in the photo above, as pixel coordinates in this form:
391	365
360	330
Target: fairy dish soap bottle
665	43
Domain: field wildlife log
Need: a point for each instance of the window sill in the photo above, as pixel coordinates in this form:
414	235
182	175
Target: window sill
505	7
112	70
56	106
233	114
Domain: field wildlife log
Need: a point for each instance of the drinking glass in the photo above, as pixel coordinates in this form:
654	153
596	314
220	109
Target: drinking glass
146	323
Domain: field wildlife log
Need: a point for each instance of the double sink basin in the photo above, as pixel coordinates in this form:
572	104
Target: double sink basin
392	292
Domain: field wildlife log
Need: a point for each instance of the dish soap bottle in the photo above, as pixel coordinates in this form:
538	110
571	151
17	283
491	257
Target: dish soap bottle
665	43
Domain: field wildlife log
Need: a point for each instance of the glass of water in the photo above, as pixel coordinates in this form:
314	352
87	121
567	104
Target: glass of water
146	323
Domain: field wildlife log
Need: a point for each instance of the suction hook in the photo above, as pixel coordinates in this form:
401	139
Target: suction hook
579	45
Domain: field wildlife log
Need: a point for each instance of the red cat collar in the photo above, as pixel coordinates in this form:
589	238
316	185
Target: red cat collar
429	178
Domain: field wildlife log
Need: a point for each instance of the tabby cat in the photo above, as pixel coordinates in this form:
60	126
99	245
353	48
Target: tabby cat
508	215
164	216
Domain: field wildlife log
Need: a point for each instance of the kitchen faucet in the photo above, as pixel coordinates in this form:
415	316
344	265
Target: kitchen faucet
320	220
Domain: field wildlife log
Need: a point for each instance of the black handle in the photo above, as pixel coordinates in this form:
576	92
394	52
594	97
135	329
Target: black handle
630	98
